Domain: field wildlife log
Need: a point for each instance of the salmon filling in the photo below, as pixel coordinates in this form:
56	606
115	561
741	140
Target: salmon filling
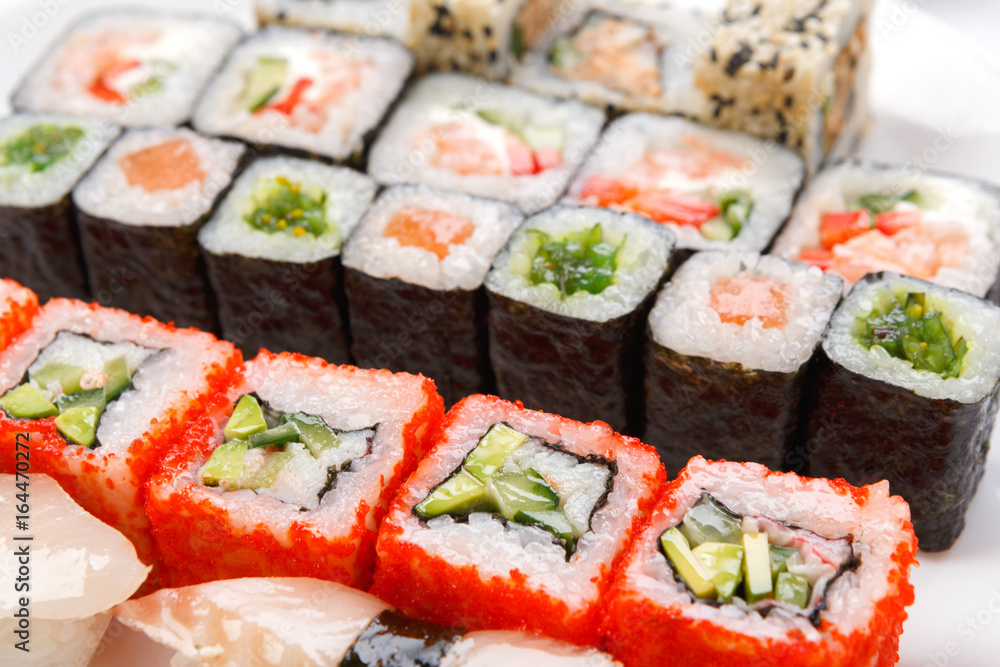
165	166
435	231
741	299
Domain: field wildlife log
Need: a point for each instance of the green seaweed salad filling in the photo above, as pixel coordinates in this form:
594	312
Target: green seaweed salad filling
494	478
581	261
908	328
280	205
724	558
40	146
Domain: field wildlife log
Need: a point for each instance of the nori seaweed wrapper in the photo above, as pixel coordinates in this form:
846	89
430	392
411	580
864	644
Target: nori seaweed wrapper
40	248
721	411
575	368
414	329
281	306
394	639
149	270
932	451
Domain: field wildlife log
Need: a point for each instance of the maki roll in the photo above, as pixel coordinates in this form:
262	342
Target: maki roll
415	271
514	521
859	217
18	307
907	392
79	569
273	255
741	566
388	18
715	189
569	297
131	67
41	158
292	473
627	55
139	211
101	395
340	626
456	132
795	71
312	92
727	357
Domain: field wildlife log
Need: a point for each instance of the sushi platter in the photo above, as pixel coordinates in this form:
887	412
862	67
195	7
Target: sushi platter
540	239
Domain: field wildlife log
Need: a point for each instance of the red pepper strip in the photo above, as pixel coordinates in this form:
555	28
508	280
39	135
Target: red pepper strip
104	92
287	106
675	207
547	158
839	228
817	257
896	221
607	191
519	156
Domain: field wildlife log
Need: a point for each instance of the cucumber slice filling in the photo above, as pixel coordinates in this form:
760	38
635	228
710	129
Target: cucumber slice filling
582	261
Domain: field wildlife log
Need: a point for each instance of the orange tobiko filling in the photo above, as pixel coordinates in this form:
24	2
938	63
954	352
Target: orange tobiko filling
166	166
431	230
741	299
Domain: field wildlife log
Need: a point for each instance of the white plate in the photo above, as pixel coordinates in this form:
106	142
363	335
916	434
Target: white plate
937	100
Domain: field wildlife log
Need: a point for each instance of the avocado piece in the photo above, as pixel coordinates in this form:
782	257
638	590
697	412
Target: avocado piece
461	493
687	565
314	432
708	521
247	419
225	464
563	54
512	492
792	589
117	378
554	521
779	559
493	451
26	401
79	425
263	82
68	376
82	399
725	563
544	137
717	229
756	567
265	475
279	435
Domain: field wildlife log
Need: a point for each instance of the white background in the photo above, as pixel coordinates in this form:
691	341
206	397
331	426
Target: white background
936	91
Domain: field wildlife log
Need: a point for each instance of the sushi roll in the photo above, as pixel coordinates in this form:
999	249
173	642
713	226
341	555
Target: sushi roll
334	625
795	71
292	473
728	357
272	250
308	92
860	217
415	271
625	55
18	307
42	157
739	566
458	132
139	211
514	521
131	67
99	395
569	296
56	606
717	190
383	18
907	392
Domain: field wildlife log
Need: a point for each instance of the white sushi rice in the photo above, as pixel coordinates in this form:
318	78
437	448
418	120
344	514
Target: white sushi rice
404	150
964	315
495	549
22	187
390	18
502	648
947	203
385	65
183	54
106	193
466	264
641	263
684	321
749	489
76	350
348	194
770	174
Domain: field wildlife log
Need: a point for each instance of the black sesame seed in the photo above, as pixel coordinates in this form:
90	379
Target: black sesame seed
739	59
713	55
493	55
781	119
783	136
487	30
789	74
467	34
789	101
